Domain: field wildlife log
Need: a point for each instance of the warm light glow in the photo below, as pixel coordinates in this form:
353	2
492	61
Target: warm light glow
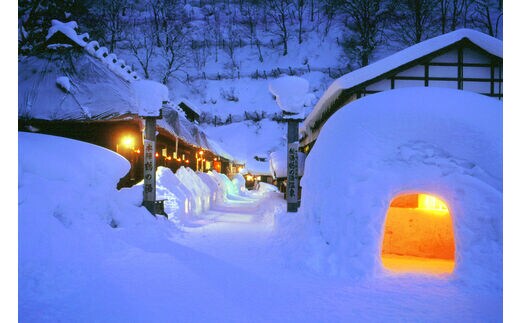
138	151
128	142
187	161
430	202
249	178
215	159
240	169
168	158
416	238
258	178
156	155
201	152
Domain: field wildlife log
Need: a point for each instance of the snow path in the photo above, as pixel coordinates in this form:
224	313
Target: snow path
228	269
232	264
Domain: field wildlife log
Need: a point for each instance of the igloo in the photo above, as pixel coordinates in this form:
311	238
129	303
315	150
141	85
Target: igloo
411	153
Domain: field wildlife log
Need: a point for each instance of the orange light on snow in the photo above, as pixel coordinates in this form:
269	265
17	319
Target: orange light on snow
418	235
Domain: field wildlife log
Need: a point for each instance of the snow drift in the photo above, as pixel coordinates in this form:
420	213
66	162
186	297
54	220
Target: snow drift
443	142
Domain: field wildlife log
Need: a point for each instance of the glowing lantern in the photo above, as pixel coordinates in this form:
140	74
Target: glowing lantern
128	142
418	236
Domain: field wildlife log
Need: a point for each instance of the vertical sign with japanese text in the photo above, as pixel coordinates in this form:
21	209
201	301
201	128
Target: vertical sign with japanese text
292	166
292	173
149	170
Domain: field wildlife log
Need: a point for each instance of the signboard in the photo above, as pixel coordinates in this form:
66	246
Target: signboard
292	173
149	170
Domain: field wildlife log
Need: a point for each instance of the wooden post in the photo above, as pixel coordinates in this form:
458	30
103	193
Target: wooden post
149	165
292	165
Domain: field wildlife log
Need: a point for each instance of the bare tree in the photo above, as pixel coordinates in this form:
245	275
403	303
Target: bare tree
300	9
487	16
414	21
142	46
250	13
330	10
280	11
213	26
453	13
231	42
111	20
365	20
174	51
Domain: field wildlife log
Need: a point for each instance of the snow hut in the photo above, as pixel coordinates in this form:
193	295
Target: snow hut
421	193
463	59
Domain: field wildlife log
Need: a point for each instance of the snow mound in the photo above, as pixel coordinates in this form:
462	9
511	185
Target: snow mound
443	142
66	184
200	192
240	183
290	92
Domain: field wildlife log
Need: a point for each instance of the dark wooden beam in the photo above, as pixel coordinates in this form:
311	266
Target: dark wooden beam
460	68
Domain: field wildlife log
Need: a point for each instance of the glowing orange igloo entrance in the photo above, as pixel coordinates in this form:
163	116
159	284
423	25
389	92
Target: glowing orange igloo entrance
418	236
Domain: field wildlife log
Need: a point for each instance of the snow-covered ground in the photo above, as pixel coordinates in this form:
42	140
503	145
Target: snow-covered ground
88	252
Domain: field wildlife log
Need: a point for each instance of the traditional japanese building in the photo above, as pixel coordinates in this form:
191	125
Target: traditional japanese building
78	90
463	59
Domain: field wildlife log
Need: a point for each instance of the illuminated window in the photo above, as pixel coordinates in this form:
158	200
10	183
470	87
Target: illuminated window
418	235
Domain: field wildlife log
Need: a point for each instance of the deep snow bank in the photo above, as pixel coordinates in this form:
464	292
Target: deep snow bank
438	141
54	174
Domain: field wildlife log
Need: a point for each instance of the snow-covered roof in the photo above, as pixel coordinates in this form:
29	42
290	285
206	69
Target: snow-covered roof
490	44
217	149
188	103
149	96
93	90
85	88
69	30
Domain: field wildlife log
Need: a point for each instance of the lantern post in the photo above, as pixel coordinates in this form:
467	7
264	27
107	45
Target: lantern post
291	93
150	97
149	196
293	144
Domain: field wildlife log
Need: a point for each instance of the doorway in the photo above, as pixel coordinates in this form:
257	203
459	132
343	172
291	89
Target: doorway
418	235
